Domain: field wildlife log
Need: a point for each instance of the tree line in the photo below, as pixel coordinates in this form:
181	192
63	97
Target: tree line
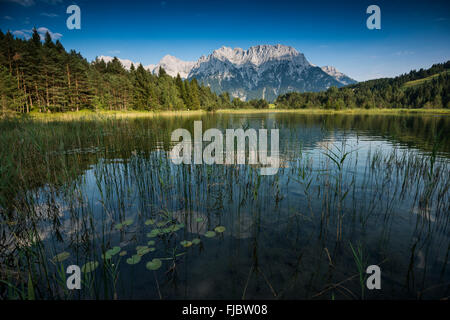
40	75
418	89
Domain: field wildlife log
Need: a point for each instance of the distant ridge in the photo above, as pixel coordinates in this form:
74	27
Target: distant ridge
262	71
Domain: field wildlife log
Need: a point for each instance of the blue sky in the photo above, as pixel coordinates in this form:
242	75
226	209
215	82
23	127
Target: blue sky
414	34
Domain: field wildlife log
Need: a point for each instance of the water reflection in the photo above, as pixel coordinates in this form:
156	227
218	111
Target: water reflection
376	182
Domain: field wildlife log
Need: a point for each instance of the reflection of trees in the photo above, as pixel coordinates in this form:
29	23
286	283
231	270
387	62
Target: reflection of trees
36	153
415	131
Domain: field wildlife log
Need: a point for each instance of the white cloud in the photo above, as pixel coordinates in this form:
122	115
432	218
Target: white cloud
29	3
24	3
50	15
404	53
53	1
26	34
21	34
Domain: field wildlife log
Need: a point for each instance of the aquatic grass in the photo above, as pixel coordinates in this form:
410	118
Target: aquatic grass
361	264
105	173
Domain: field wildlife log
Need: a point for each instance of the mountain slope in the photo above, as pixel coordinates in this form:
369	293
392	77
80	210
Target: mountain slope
263	71
425	88
339	76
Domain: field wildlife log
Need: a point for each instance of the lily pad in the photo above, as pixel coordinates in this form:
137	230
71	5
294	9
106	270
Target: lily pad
149	222
118	226
134	259
151	242
60	257
106	256
123	253
153	233
166	230
144	250
89	266
210	234
155	264
219	229
199	220
196	241
128	222
162	223
186	243
113	251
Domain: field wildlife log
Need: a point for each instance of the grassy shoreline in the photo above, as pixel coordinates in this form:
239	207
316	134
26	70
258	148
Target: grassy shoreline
87	114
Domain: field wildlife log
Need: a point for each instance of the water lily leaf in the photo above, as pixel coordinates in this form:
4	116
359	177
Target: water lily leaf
153	233
151	242
128	222
186	243
196	241
89	266
219	229
166	230
113	251
177	227
143	250
122	253
149	222
60	257
106	256
199	220
134	259
118	226
210	234
162	223
155	264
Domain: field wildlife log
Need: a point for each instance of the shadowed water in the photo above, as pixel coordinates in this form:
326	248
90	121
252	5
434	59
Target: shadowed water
376	184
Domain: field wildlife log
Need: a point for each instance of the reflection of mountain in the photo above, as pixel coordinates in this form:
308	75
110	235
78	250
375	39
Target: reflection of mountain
107	141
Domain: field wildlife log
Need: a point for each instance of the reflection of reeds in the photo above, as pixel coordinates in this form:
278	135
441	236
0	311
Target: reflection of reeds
65	186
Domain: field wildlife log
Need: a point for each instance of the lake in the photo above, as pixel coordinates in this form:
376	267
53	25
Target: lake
103	194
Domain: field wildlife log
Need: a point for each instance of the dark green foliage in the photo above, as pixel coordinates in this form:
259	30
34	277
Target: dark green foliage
43	76
412	90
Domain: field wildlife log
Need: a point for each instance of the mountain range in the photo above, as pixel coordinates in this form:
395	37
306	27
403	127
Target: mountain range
263	71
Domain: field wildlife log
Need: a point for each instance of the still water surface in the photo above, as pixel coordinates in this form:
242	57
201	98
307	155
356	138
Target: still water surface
369	188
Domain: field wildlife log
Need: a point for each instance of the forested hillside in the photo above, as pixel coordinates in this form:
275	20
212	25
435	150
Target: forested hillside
42	76
418	89
39	75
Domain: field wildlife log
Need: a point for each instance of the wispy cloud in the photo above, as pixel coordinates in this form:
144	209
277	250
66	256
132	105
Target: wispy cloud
52	1
24	3
50	15
440	19
26	34
114	52
404	53
8	18
29	3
